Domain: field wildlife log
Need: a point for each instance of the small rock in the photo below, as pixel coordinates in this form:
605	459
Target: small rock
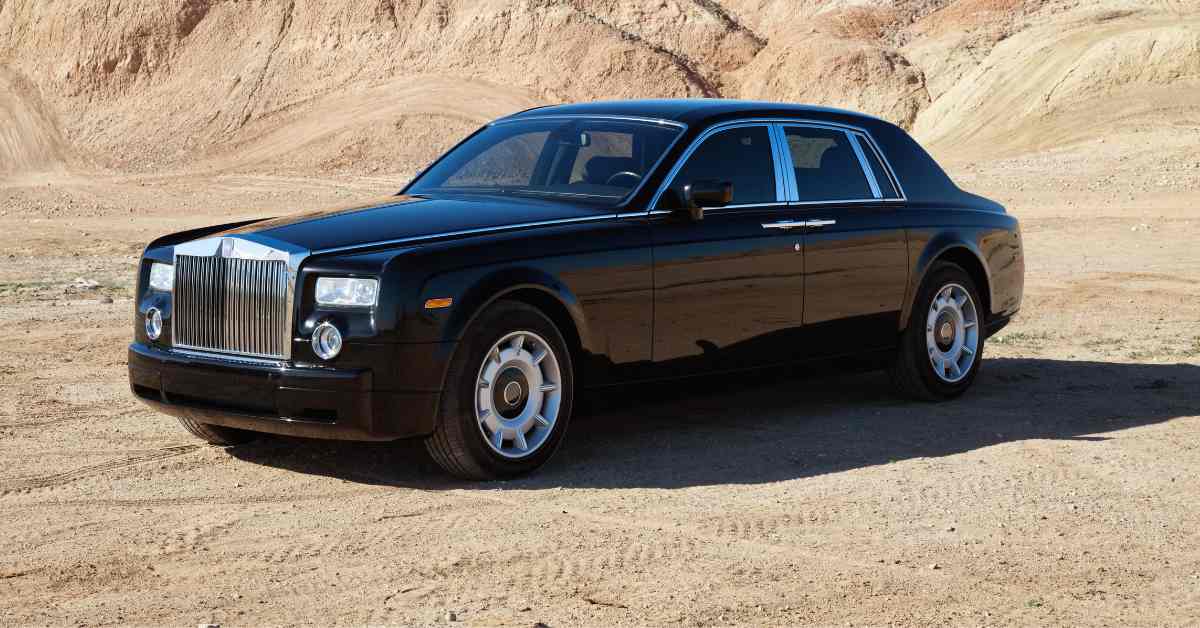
950	529
106	299
450	616
935	566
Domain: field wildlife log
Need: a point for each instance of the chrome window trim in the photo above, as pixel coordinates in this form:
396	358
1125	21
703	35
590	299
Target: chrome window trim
745	205
584	116
849	133
783	163
866	167
780	193
792	191
247	246
887	169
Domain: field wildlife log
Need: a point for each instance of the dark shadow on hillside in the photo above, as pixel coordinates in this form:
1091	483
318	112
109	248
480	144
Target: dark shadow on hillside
782	425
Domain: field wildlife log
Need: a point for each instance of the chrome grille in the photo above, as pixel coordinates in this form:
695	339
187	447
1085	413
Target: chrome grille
232	305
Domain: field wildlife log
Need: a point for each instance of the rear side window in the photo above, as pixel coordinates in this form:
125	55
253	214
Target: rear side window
827	168
741	155
881	177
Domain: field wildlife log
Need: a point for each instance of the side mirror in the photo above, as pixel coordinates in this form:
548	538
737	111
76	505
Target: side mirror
706	193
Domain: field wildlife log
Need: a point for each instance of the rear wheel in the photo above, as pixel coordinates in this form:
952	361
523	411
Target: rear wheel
509	395
217	434
942	347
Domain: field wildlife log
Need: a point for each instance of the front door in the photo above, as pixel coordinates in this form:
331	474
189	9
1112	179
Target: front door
728	290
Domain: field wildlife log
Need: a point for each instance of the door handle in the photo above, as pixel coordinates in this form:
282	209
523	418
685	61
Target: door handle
796	224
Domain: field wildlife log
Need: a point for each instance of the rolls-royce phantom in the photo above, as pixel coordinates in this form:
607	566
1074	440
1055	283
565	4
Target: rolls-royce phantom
576	247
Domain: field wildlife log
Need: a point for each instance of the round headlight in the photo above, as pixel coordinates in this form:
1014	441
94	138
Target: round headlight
326	341
153	323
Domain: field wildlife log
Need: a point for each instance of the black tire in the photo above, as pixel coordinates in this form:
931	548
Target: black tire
457	444
912	374
217	434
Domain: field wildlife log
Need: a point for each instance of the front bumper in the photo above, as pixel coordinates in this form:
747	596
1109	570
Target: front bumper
264	397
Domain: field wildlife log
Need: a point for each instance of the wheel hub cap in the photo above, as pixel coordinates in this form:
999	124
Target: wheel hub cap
511	392
519	394
945	332
952	333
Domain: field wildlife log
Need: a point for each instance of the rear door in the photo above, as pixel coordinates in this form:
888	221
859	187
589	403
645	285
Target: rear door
856	255
728	291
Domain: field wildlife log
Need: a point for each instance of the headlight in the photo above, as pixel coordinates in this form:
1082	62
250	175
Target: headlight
162	277
347	291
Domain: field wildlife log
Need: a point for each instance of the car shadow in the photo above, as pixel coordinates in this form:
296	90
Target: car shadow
782	425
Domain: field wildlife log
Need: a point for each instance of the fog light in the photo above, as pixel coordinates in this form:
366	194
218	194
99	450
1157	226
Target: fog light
153	323
326	341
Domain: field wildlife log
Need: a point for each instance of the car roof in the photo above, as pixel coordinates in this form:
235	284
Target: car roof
690	111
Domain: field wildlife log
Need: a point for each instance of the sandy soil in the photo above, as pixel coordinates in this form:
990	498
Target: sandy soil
1060	490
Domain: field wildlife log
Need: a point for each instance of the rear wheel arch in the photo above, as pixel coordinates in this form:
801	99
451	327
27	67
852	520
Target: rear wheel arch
960	254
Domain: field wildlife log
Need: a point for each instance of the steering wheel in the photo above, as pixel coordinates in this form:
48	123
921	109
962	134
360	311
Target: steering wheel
624	173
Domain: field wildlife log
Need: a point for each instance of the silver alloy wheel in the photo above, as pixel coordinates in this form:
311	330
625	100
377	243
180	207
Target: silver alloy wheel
952	333
518	394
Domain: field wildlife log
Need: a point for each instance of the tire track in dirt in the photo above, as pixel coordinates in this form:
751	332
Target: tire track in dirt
66	477
209	500
65	415
511	575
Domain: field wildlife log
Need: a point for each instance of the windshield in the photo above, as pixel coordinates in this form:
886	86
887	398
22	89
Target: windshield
594	160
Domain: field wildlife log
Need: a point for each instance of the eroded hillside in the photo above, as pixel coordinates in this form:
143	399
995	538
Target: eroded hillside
383	85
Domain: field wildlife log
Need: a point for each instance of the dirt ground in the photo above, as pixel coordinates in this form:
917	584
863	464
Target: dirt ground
1060	490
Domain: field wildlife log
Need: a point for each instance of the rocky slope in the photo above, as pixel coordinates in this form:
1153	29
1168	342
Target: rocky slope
383	85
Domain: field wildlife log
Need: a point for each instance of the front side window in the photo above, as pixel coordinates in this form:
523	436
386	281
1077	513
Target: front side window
827	168
741	156
594	160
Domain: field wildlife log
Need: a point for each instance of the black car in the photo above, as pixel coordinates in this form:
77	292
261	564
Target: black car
575	246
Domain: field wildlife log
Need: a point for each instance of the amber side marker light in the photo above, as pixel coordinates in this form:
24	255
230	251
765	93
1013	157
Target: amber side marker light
437	304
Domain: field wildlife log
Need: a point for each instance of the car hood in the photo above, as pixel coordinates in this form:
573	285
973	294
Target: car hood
408	217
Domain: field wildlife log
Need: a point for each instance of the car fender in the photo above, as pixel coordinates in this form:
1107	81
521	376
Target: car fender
941	243
499	283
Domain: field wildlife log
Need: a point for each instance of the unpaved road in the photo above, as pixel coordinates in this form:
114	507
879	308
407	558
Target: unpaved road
1061	490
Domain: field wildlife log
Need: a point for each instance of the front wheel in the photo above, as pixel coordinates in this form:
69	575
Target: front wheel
217	434
508	398
942	347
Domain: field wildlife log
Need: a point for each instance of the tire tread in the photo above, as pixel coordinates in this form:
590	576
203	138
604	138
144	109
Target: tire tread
216	434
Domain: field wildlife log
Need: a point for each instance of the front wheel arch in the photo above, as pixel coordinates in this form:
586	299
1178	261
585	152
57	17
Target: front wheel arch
529	286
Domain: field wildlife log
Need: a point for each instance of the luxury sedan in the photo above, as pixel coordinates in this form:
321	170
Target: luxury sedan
577	247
